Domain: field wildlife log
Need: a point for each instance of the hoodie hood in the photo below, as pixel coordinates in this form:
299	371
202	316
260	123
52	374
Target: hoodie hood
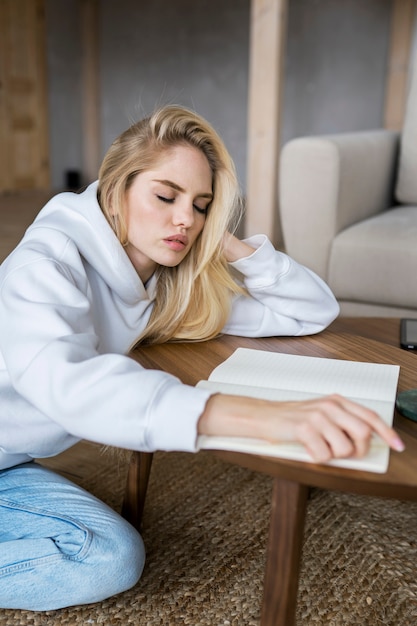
79	218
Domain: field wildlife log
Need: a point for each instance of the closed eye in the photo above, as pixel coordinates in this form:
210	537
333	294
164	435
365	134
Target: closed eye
167	200
200	209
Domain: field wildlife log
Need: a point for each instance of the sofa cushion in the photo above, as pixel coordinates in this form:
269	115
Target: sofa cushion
375	261
406	188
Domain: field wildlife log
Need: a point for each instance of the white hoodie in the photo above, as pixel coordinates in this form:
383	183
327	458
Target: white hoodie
71	306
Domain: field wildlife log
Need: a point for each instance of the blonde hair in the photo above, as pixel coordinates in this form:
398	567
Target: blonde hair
193	299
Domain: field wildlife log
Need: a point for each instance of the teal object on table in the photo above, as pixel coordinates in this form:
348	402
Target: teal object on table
407	404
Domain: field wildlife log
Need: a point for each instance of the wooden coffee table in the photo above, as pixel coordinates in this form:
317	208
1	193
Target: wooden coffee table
361	339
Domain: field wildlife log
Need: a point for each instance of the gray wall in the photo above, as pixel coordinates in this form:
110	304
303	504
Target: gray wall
64	83
336	62
191	52
195	52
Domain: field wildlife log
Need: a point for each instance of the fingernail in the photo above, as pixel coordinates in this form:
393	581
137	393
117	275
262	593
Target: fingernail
398	444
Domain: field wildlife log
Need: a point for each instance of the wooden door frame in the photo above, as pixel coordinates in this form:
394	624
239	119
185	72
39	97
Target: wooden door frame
23	71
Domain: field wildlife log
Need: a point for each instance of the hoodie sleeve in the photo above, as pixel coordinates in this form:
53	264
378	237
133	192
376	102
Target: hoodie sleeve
285	298
51	352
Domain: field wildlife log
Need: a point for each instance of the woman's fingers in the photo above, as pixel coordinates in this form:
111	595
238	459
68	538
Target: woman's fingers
323	439
327	431
335	427
367	419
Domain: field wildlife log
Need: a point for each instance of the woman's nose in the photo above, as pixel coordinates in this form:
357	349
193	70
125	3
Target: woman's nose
183	214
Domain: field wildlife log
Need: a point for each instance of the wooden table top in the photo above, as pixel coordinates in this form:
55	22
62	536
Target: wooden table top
360	339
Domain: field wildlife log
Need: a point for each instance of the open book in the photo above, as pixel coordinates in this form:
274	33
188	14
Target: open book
276	376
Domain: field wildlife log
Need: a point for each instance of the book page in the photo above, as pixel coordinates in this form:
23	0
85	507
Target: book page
260	368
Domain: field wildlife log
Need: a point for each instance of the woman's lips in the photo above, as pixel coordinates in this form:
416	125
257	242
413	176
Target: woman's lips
177	242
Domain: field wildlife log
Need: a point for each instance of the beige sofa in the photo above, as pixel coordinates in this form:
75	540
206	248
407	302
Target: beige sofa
348	206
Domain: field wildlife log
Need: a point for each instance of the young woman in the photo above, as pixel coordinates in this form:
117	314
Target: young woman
145	255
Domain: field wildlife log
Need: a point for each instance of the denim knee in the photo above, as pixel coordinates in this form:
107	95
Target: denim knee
119	560
75	568
60	545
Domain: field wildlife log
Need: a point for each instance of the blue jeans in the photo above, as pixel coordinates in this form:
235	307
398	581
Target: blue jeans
59	545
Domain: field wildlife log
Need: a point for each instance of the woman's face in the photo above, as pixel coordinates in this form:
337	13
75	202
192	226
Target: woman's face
165	209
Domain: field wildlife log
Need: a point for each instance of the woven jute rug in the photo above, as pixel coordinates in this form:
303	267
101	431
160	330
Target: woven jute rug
205	529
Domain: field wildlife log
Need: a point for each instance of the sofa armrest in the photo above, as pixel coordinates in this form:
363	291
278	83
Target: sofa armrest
328	183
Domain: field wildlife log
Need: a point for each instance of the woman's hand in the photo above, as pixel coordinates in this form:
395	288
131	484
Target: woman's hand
328	427
235	249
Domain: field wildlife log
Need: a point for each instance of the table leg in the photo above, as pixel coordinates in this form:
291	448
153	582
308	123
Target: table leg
289	501
136	487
